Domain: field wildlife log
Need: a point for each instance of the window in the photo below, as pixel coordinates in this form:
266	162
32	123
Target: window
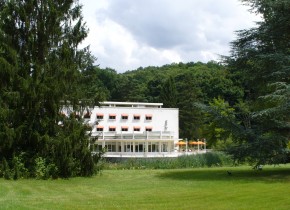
100	116
148	117
124	128
100	128
112	128
148	128
136	128
124	116
128	146
140	147
136	116
112	116
111	147
153	147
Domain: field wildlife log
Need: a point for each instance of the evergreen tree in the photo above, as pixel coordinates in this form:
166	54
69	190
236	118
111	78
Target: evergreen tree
190	117
153	90
40	69
260	63
168	94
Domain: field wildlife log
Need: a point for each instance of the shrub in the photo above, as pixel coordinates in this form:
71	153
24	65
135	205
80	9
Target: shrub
99	161
6	169
212	159
18	167
44	170
40	168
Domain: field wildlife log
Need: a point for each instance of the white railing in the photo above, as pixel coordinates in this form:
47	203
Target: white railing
141	154
152	135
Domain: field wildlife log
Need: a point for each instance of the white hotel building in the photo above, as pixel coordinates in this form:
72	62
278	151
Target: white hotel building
128	129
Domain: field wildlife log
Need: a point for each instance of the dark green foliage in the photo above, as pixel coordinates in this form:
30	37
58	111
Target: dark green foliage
18	168
154	87
42	71
259	123
168	94
6	171
99	161
43	170
214	123
189	116
14	169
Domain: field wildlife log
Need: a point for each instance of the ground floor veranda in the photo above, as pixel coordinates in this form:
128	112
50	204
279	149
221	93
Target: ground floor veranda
142	148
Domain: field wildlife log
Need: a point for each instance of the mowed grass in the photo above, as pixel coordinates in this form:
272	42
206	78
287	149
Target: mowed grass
210	188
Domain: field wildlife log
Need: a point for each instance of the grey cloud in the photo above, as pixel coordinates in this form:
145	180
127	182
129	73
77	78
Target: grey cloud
166	24
154	23
190	28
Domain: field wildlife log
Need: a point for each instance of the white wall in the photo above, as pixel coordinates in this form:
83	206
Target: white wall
159	118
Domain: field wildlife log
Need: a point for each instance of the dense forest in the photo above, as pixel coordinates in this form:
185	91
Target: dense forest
240	105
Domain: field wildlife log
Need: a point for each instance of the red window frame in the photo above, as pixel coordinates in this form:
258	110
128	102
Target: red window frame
148	128
100	128
124	116
112	116
100	116
148	116
124	128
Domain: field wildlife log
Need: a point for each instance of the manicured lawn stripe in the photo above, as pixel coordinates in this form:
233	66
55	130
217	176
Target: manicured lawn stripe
206	188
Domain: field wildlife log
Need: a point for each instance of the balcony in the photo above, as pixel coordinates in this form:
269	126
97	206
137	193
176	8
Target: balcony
152	135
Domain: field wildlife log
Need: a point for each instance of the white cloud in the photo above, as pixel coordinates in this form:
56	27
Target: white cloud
127	34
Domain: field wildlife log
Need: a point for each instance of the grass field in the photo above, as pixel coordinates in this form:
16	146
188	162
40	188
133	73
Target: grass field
175	189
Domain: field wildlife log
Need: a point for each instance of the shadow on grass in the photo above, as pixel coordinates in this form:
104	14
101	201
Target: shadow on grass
268	175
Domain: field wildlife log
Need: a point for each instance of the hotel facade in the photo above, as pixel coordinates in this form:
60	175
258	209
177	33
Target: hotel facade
128	129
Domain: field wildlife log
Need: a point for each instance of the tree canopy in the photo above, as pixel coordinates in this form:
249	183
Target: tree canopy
259	62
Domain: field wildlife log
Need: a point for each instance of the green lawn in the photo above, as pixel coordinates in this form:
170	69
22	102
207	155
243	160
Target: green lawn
155	189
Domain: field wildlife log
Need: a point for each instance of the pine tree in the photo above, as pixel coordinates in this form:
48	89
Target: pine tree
40	69
190	117
168	94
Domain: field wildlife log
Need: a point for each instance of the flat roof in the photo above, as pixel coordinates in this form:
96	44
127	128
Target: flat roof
131	104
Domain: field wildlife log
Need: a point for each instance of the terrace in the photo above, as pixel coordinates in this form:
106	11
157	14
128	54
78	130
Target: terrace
146	135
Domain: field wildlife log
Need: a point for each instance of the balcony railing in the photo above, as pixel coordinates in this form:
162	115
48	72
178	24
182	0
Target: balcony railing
153	135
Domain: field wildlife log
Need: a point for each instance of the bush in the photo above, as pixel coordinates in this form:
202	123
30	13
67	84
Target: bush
212	159
18	167
99	161
43	170
51	171
6	169
40	168
15	169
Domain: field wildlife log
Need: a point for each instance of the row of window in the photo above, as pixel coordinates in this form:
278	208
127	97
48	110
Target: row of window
123	128
130	146
100	116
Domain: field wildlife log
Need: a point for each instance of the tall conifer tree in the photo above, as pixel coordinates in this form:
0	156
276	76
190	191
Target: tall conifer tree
168	94
40	67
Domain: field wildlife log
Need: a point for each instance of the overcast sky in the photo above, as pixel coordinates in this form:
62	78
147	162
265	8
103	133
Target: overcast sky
127	34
